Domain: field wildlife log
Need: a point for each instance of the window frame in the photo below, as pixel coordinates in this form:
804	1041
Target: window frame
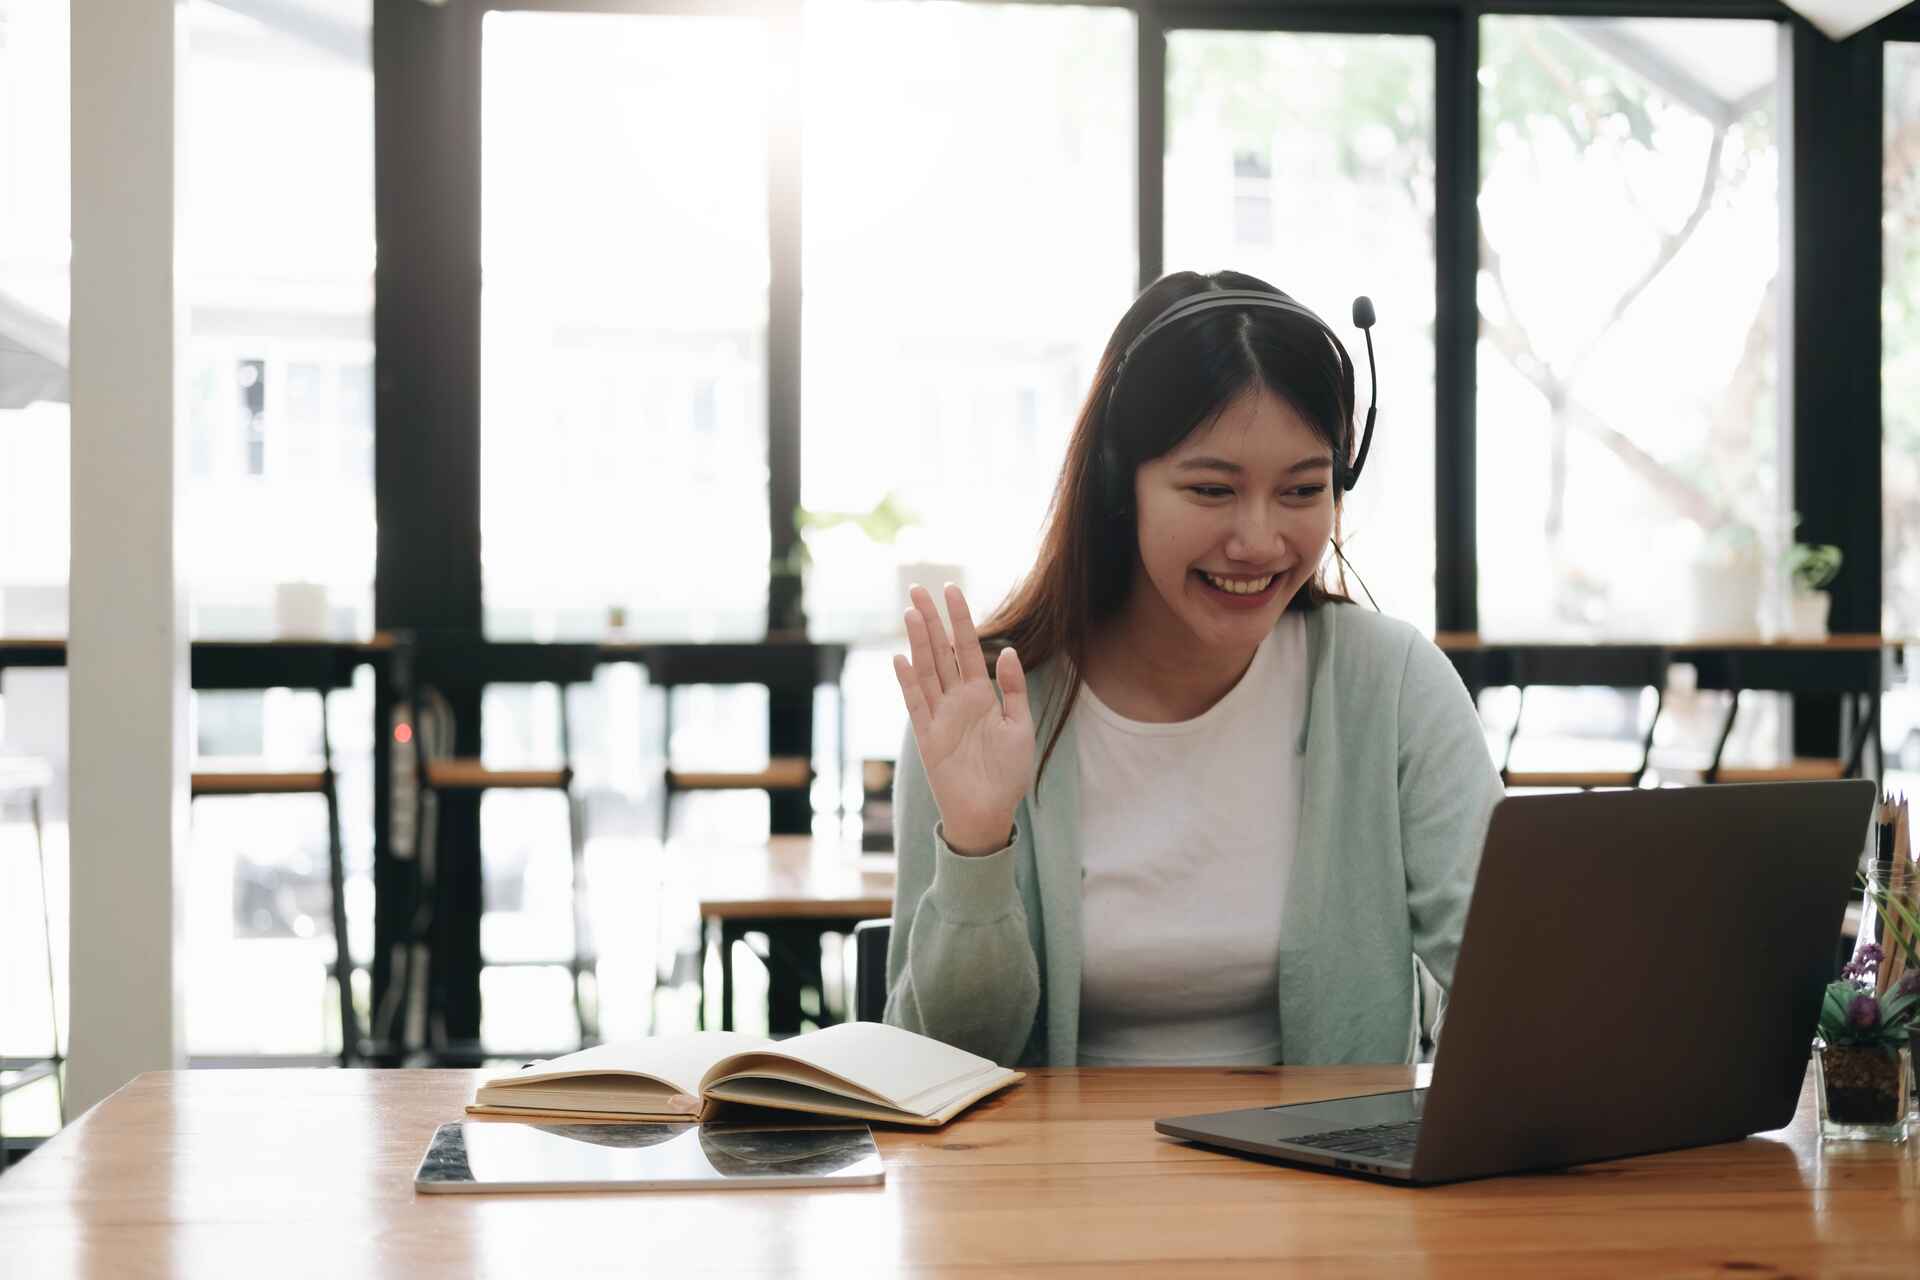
427	299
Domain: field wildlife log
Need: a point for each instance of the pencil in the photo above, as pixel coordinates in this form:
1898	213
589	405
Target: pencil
1905	893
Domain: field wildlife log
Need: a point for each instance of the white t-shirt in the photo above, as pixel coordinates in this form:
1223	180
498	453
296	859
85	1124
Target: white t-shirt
1187	834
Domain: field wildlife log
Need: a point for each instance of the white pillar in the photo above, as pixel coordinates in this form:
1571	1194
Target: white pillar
127	634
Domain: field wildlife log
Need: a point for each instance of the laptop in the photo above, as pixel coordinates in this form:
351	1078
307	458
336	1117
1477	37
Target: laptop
1640	971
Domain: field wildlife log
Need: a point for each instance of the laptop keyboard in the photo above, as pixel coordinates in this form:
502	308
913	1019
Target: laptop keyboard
1378	1141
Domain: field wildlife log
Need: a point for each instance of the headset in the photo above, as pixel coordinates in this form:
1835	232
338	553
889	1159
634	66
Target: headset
1118	485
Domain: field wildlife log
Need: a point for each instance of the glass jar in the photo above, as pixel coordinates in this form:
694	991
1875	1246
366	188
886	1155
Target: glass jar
1862	1092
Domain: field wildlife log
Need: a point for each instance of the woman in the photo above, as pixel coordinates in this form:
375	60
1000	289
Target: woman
1256	803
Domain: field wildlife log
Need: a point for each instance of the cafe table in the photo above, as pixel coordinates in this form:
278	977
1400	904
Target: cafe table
309	1173
791	890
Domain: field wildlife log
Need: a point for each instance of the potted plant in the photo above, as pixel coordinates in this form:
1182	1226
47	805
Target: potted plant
1811	568
1861	1062
881	526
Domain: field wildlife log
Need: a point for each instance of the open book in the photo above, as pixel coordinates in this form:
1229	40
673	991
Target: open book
862	1069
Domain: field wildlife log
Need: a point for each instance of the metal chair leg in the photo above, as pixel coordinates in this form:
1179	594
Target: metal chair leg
1866	726
666	765
337	888
1646	743
666	962
584	966
1712	771
342	950
53	987
1513	732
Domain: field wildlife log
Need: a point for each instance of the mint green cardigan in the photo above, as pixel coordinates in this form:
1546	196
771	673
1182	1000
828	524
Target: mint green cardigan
1399	787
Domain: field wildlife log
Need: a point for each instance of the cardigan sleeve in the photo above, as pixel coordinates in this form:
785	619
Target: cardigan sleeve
1448	788
960	961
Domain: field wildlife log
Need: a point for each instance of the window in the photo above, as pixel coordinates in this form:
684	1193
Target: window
277	249
624	473
1630	443
276	246
34	251
1308	160
968	245
1900	342
34	523
624	318
1900	398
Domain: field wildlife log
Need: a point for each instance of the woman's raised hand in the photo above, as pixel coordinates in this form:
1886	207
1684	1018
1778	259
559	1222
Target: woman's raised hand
978	752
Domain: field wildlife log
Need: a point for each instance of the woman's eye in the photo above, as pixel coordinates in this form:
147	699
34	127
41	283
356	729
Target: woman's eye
1299	493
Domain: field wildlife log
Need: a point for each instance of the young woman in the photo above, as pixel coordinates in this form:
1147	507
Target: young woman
1256	803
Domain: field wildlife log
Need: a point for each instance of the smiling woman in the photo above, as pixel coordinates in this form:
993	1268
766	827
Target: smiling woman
1261	386
1258	807
1233	523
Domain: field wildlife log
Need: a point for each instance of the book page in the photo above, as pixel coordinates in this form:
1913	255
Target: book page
678	1061
911	1072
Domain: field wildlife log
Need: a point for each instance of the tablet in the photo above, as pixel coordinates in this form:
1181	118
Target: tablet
476	1155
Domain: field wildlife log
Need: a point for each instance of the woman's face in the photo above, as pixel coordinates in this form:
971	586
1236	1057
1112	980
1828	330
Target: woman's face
1233	522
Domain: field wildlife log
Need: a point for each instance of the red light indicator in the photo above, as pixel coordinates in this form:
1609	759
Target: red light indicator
403	734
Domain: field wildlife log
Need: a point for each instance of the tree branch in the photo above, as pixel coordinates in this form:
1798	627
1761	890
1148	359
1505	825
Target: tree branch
1730	428
1669	248
1510	336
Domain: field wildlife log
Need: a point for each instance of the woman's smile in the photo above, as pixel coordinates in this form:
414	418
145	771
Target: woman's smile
1240	592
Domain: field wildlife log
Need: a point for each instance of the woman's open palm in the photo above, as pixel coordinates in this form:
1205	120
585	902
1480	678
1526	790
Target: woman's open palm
977	749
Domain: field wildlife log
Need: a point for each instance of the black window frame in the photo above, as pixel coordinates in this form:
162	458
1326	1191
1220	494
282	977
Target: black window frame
426	63
427	293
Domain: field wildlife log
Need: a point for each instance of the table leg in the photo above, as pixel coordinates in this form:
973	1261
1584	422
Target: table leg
728	935
707	928
793	965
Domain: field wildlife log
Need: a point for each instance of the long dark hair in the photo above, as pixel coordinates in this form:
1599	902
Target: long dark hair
1180	378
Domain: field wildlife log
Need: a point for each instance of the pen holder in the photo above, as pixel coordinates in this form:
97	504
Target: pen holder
1862	1092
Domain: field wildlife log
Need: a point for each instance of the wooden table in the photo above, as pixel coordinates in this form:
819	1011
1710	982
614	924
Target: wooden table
793	889
264	1173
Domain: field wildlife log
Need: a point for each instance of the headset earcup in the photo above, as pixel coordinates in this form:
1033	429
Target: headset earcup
1114	489
1115	496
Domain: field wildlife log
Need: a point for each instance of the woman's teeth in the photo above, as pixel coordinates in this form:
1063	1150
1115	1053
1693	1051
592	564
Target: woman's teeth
1239	586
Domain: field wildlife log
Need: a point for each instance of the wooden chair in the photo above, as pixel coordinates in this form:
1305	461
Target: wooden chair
319	669
1854	674
425	670
790	670
1625	667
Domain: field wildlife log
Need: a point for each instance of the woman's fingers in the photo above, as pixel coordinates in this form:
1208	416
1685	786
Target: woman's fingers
1013	686
945	664
920	644
966	643
917	709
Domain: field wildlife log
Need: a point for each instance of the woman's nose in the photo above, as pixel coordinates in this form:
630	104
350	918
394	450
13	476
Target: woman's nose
1256	533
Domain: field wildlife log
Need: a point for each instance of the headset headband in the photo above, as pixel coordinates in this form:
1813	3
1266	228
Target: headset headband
1194	304
1198	303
